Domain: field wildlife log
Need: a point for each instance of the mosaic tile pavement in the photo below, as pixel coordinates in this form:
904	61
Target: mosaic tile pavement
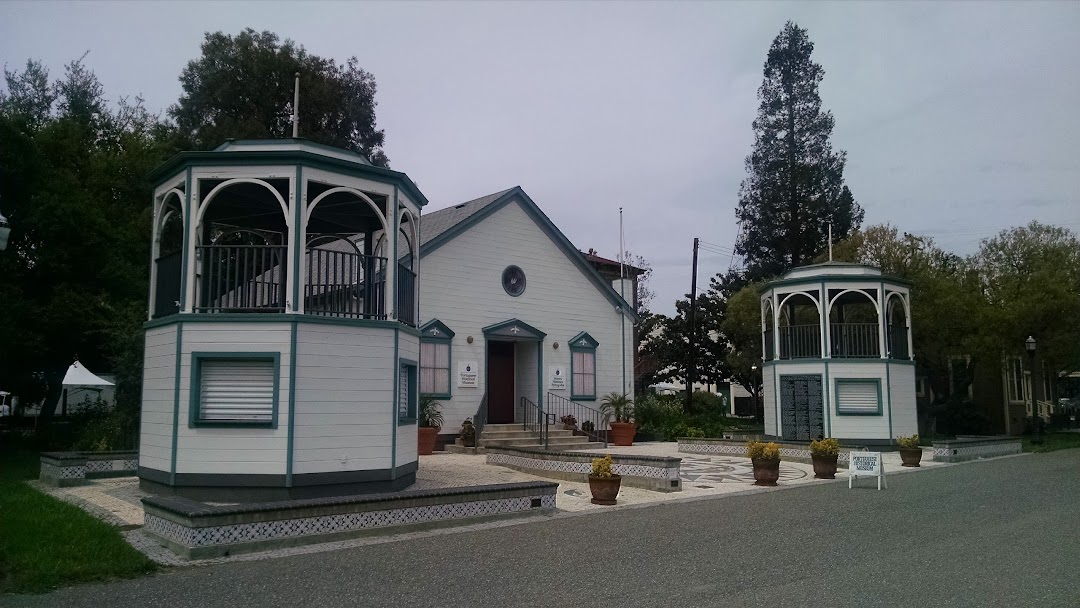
701	471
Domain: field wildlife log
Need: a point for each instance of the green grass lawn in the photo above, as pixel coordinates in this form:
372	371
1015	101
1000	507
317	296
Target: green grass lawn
46	543
1053	442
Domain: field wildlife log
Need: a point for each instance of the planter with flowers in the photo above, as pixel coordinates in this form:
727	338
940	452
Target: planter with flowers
766	459
430	422
910	452
604	484
824	452
619	410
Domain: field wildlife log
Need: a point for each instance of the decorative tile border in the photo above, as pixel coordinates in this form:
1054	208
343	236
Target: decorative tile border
70	468
194	529
960	450
651	473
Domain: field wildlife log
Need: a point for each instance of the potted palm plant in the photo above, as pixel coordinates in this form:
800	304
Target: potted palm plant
766	459
430	422
910	452
824	453
619	407
604	484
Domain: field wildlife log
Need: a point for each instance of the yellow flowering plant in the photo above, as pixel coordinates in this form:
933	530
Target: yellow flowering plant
759	450
825	447
601	467
909	443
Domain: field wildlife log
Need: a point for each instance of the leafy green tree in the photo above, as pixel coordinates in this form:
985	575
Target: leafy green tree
669	346
795	186
242	87
946	307
73	184
741	329
1030	277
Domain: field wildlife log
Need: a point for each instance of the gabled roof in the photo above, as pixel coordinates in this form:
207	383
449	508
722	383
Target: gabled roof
440	227
436	223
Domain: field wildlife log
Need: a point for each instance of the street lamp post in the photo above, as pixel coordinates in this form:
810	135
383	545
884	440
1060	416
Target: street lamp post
1036	437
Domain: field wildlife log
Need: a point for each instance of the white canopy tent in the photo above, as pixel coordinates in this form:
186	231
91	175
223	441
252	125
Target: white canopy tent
77	375
79	384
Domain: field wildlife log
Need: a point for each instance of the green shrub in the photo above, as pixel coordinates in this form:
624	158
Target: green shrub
102	427
601	467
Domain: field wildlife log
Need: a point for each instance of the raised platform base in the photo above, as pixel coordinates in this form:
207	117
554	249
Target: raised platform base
198	530
72	468
231	488
657	473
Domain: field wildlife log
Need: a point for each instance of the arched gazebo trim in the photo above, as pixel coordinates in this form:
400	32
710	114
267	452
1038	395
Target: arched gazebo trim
205	204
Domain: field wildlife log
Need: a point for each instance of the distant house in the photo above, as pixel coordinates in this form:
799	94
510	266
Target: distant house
515	316
1003	394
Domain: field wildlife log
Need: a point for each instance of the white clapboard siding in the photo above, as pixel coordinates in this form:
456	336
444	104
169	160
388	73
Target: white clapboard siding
857	397
237	390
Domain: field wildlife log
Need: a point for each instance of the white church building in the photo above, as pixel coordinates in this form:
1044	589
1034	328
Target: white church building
514	316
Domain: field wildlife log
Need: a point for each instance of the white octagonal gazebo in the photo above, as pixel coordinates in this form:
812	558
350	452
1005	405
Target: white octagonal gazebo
281	350
836	340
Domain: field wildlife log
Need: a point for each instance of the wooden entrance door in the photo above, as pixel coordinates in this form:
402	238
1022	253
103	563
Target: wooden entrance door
801	408
500	382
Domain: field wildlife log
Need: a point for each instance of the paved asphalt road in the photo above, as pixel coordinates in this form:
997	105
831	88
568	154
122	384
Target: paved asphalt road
995	533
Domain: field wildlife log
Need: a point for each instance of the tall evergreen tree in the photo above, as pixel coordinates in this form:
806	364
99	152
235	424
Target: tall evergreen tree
795	186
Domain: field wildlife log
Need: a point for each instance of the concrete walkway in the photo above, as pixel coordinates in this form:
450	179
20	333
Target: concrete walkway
986	533
117	501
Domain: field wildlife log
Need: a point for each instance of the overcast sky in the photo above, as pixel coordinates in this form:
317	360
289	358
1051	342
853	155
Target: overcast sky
959	119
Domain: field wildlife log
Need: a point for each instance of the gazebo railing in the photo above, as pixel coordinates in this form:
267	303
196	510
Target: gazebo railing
406	305
800	341
241	278
344	284
167	291
898	343
854	340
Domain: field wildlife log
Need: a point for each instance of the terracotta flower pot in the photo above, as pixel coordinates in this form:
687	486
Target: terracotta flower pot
425	439
824	466
622	433
910	456
766	472
604	489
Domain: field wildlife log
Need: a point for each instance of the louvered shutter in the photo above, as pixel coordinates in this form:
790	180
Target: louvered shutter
858	397
236	391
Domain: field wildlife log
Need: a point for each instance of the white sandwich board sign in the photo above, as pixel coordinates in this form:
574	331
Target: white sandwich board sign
866	464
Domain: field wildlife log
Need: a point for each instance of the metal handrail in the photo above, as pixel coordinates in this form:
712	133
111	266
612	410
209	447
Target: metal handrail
535	420
241	278
558	407
800	341
480	417
855	340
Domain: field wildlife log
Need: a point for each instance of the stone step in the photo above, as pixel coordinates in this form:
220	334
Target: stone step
507	434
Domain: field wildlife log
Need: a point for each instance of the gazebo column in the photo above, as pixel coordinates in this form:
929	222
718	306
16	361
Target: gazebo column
191	228
296	220
390	292
823	322
883	352
776	327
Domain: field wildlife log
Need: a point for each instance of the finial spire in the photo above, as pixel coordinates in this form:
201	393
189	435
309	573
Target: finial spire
296	108
830	241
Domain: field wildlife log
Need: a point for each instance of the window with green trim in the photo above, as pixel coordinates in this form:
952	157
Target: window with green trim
234	389
583	367
858	396
406	392
435	368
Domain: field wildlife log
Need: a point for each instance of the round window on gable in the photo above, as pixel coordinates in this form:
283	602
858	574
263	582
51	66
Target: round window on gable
513	281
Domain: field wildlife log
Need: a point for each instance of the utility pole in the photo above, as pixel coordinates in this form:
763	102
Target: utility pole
691	370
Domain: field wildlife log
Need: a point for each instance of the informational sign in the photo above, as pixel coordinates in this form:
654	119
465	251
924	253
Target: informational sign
558	378
866	464
467	374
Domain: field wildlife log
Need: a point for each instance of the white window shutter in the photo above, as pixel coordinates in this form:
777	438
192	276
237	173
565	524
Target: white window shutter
857	397
236	390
